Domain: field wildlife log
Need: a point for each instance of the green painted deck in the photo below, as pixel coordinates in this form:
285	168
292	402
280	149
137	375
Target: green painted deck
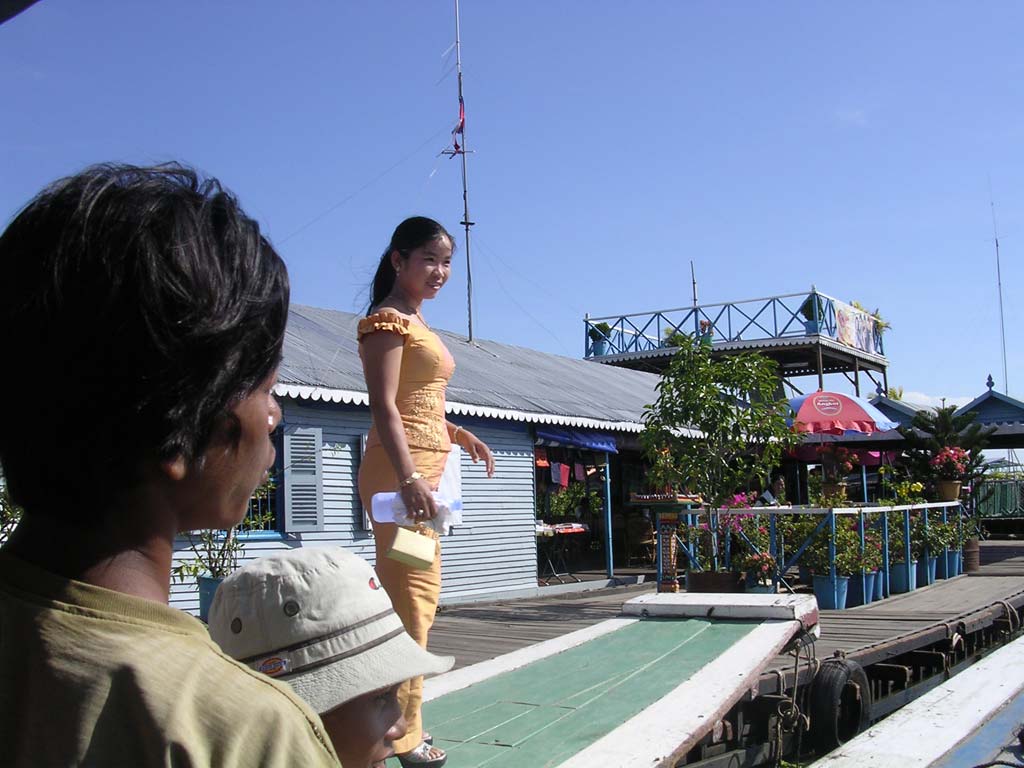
545	712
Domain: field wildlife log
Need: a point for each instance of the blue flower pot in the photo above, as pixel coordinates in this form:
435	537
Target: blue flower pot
207	589
926	567
879	586
947	567
854	595
898	577
829	600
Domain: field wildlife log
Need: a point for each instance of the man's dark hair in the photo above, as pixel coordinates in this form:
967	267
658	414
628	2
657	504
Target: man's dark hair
137	305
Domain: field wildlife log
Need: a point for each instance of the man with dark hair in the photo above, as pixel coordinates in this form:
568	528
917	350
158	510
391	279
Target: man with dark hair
774	494
142	316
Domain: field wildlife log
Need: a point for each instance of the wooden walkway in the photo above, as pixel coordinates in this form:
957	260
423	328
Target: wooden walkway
477	632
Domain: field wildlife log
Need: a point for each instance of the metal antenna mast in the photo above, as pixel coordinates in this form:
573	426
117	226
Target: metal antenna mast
460	130
999	284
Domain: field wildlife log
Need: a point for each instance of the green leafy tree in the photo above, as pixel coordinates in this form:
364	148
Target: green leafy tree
717	423
931	431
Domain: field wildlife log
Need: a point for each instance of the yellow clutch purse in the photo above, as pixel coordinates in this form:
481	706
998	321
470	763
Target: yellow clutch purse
414	550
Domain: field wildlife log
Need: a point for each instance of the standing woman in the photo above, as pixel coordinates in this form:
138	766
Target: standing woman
407	368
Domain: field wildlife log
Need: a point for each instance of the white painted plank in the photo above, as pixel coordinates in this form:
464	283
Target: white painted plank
717	605
926	729
458	679
663	731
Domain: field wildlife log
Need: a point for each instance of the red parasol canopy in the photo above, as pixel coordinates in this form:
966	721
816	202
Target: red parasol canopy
833	413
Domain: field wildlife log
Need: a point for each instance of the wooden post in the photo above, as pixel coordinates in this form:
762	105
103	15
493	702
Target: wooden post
821	369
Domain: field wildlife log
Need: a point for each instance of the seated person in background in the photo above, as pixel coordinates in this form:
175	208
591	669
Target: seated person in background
144	314
318	619
774	494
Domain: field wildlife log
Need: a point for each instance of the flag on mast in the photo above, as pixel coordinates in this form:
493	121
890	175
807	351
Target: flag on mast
459	128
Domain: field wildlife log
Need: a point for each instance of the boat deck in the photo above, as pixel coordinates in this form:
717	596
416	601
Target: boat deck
476	632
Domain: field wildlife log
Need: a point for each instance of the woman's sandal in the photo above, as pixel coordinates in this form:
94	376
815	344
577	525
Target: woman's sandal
427	738
420	757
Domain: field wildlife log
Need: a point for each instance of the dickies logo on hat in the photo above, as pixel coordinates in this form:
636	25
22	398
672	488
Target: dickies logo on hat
272	666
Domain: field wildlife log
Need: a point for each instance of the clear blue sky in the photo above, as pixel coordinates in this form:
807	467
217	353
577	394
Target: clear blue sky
776	144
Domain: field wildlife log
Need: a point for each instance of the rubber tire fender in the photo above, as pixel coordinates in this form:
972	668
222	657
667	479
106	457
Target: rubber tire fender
839	704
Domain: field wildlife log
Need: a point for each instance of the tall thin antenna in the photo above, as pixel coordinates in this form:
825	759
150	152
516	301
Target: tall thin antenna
460	130
693	277
999	284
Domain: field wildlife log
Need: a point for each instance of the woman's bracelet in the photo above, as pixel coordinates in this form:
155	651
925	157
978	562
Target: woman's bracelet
455	435
410	479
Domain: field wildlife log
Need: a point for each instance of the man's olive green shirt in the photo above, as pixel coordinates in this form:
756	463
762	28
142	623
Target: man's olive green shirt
93	677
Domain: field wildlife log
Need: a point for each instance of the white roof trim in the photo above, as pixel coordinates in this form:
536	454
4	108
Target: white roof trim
353	397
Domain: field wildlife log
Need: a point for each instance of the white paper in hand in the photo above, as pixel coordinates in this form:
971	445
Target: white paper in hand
389	508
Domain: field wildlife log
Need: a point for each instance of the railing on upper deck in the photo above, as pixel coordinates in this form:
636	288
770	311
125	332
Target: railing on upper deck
775	317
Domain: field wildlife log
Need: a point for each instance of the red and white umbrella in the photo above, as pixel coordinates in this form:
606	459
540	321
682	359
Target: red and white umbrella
833	413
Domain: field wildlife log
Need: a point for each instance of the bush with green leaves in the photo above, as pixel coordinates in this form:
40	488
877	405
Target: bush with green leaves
932	431
566	502
717	425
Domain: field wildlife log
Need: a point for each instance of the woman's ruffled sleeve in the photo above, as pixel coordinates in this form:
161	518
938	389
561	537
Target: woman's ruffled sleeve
391	322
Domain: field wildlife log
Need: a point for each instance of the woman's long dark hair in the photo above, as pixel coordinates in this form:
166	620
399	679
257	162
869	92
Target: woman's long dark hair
413	233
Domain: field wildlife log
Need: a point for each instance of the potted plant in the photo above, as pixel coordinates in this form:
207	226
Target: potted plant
759	568
971	534
864	568
215	553
707	331
901	579
813	310
949	465
847	547
600	338
837	462
713	541
927	543
948	546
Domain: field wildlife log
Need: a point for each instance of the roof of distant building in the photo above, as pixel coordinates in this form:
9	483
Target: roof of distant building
491	380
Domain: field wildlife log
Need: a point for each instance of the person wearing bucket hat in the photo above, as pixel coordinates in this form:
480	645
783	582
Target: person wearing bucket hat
318	619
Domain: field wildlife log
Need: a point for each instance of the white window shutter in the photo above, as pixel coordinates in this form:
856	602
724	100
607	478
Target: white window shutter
303	479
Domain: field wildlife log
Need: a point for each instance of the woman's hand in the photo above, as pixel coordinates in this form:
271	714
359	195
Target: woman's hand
477	449
419	501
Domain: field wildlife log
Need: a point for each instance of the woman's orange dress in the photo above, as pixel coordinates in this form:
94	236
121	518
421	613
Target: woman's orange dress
426	367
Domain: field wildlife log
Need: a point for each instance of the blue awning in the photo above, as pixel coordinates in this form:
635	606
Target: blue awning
576	438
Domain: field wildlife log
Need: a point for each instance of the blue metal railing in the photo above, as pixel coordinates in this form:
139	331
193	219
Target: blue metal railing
775	317
776	544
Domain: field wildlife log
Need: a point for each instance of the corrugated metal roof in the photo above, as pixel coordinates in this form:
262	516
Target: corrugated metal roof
491	380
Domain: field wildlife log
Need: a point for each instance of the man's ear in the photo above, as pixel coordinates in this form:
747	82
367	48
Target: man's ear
175	468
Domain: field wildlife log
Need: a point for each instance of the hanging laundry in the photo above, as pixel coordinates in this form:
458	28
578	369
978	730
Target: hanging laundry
556	473
564	479
581	475
540	456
